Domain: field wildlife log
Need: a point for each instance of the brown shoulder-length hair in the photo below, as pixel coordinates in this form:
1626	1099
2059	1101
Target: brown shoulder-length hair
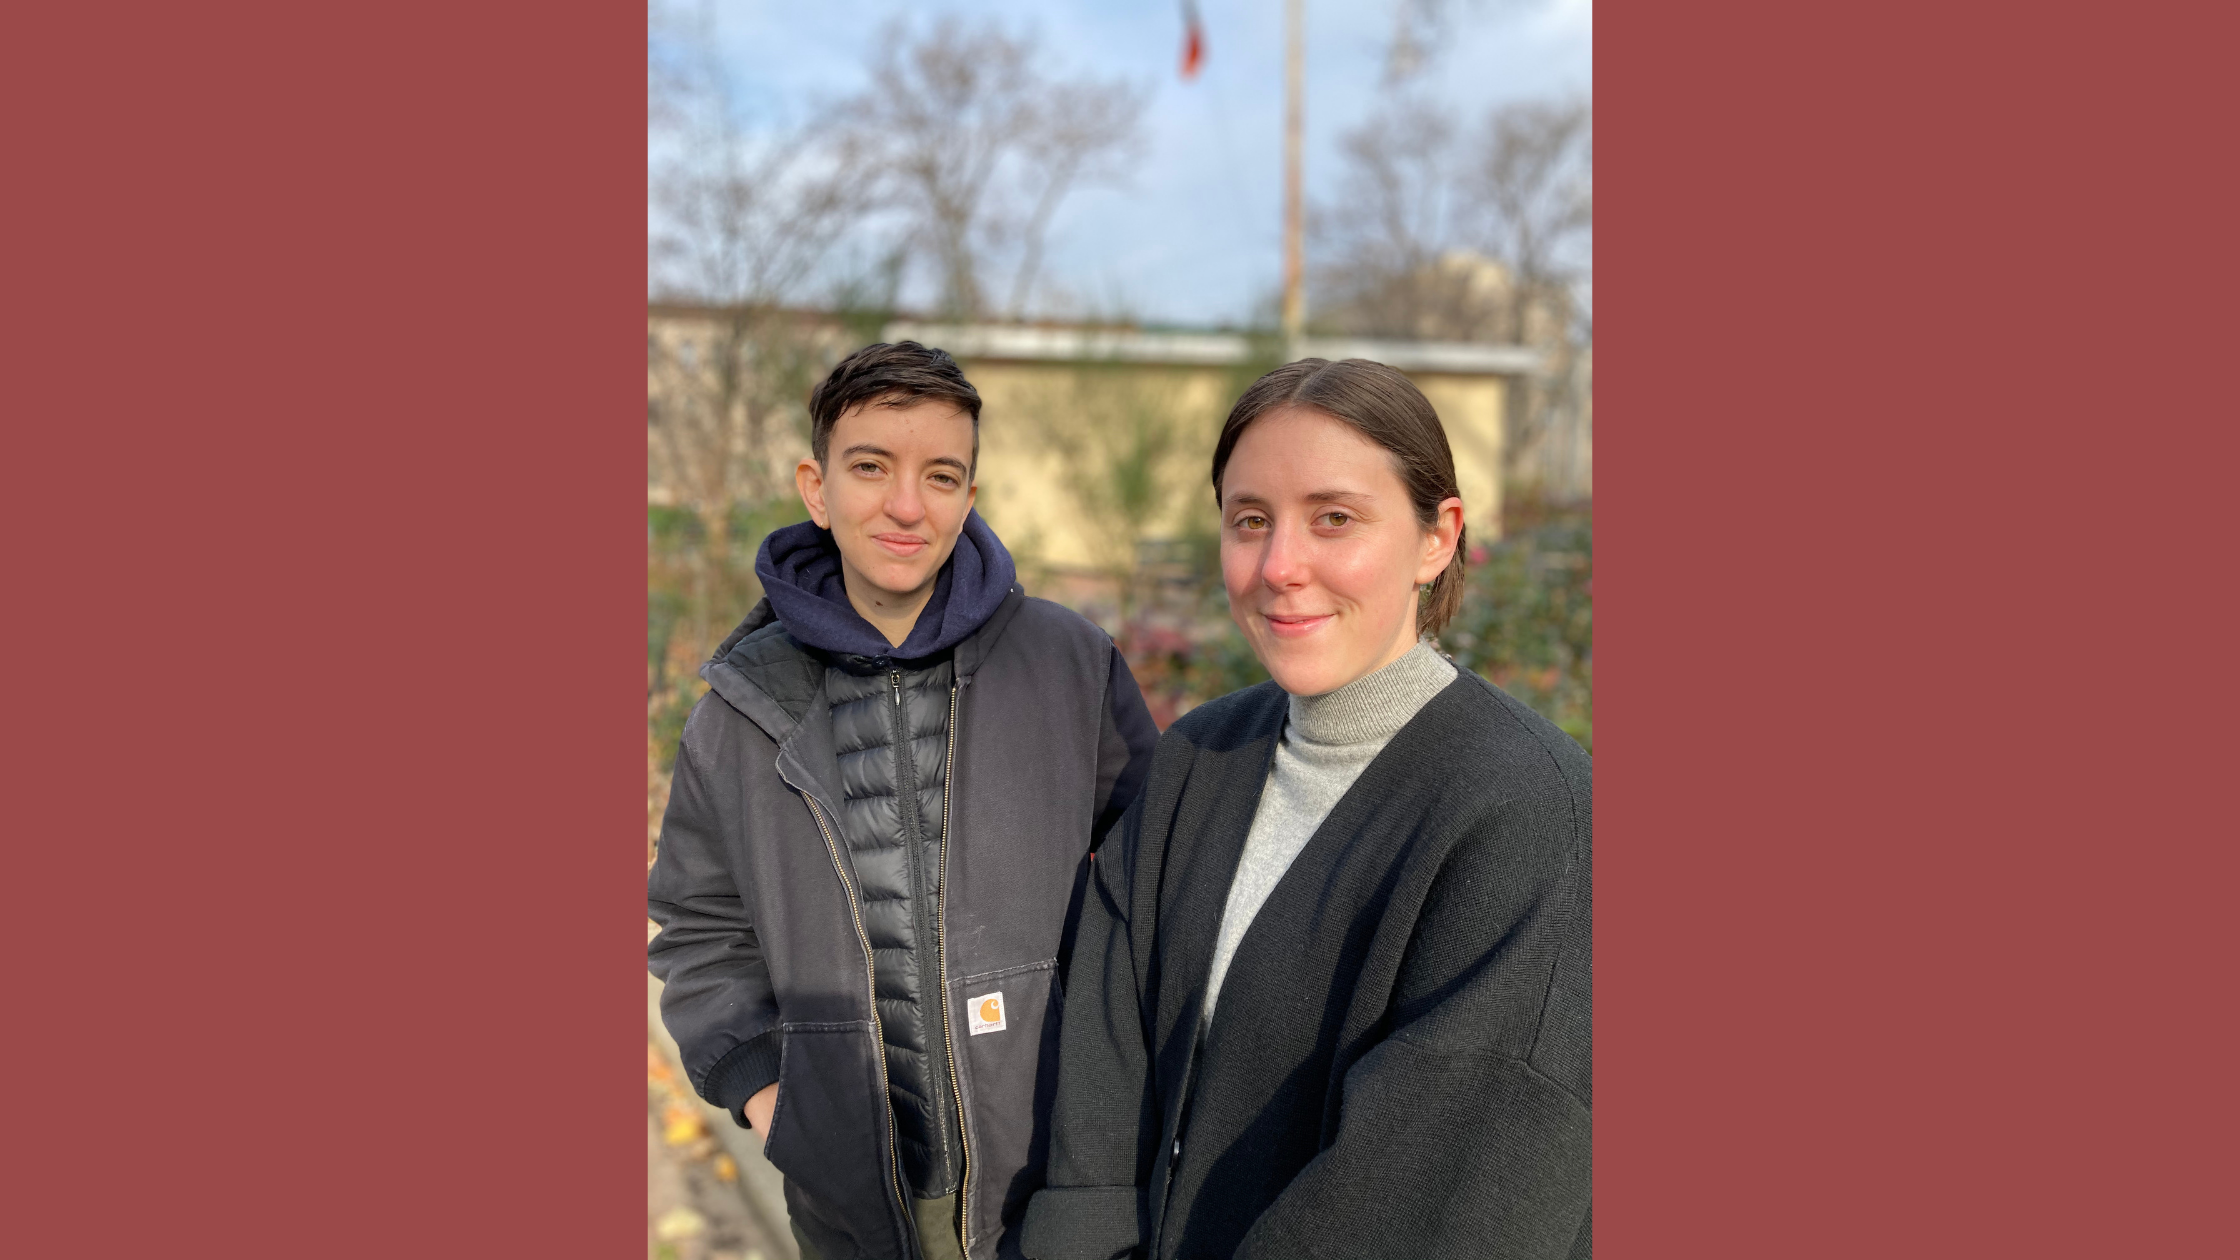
1386	408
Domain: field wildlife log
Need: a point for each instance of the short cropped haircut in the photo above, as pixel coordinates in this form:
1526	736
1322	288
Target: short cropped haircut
889	374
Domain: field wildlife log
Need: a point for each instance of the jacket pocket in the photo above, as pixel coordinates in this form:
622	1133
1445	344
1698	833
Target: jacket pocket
828	1134
1007	1069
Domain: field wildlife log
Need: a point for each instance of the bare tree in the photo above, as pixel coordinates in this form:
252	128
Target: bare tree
1392	244
1479	237
977	147
1422	29
1533	186
1534	182
741	219
742	215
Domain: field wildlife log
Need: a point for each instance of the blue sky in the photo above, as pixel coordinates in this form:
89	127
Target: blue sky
1195	236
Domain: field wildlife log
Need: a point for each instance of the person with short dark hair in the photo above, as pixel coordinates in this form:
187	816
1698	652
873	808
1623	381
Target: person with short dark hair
1331	994
878	833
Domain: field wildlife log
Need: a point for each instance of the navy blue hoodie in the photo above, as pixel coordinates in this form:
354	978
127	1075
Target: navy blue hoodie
800	571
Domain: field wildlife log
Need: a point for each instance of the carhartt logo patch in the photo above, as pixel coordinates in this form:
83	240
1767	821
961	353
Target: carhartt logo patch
987	1013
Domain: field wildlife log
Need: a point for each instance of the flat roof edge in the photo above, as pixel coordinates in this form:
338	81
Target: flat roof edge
1078	345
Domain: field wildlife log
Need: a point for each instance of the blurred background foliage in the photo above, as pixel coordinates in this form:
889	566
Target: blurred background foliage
780	239
683	621
1526	625
1527	619
932	194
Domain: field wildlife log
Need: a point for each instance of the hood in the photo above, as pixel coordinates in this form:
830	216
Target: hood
800	571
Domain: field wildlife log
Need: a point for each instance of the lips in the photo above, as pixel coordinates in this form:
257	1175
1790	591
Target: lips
902	544
1296	625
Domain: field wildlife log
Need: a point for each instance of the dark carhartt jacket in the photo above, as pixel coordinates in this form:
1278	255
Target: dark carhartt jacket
891	725
890	730
772	875
1400	1062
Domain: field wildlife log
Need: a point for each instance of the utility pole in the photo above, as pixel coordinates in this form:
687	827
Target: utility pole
1294	207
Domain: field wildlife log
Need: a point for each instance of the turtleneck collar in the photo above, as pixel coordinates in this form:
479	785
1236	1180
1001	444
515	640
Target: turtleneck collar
1373	707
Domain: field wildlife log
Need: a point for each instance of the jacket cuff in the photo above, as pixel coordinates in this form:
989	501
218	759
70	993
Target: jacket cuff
750	1067
1082	1223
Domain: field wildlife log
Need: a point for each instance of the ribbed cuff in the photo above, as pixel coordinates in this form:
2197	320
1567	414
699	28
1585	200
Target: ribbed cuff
746	1071
1082	1222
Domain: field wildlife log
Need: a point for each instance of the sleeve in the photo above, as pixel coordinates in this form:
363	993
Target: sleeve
716	998
1123	749
1104	1126
1467	1131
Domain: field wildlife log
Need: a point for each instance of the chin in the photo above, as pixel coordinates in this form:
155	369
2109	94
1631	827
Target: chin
1302	673
900	586
901	579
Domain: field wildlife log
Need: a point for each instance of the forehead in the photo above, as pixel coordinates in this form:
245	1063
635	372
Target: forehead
930	426
1294	452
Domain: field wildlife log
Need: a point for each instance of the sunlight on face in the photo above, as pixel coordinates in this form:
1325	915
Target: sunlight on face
1320	550
895	490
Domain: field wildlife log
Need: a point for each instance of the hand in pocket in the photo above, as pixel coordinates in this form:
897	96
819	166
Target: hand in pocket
758	1109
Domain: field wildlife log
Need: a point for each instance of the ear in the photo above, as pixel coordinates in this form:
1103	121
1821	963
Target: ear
1440	540
808	478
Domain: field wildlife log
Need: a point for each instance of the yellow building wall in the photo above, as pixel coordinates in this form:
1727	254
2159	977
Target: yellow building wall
1055	438
1050	433
1470	408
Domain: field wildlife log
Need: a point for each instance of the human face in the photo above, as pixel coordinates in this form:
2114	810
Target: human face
895	489
1321	551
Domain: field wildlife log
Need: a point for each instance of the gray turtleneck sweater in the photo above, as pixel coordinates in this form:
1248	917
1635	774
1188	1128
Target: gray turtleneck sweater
1328	740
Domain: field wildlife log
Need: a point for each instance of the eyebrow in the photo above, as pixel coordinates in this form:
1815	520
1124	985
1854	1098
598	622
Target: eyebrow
1314	496
865	448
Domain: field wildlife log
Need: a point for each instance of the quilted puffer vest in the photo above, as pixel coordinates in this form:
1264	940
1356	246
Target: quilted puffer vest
890	725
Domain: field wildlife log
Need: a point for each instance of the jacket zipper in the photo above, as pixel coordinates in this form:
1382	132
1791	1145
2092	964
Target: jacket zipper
940	944
878	1031
906	753
941	951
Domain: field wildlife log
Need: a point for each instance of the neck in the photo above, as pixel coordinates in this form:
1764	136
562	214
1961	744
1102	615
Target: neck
892	614
1372	707
1402	644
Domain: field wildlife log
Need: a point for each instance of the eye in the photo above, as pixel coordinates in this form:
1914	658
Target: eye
866	467
945	481
1336	520
1252	520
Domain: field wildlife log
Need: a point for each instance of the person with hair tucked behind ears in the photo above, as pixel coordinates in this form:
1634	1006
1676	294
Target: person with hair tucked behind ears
1331	992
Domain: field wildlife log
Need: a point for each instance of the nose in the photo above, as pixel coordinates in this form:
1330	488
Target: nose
904	504
1283	566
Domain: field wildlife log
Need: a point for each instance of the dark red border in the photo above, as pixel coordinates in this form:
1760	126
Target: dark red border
1915	630
322	501
326	483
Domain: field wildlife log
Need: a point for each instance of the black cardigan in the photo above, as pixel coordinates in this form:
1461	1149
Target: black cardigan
1400	1064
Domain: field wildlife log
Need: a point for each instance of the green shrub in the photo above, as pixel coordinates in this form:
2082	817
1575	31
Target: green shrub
683	624
1527	619
1526	625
